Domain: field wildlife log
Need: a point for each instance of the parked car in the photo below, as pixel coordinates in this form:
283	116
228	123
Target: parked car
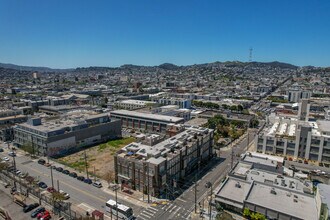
1	150
46	216
88	181
66	195
59	169
73	174
81	178
23	175
41	161
67	172
97	184
51	189
37	211
30	207
43	214
18	172
12	154
42	185
47	164
5	159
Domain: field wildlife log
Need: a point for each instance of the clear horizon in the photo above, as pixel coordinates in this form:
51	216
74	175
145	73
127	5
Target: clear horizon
69	34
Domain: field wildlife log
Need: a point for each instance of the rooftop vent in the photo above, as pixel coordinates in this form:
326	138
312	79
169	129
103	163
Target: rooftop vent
272	191
295	200
238	185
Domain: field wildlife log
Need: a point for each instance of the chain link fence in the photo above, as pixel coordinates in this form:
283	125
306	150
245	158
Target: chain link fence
61	208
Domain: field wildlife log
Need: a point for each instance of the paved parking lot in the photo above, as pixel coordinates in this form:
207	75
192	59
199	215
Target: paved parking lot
15	211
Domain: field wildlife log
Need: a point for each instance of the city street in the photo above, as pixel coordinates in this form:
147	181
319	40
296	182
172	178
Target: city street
87	197
82	195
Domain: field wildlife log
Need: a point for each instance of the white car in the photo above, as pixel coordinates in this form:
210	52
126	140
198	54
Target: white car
97	184
5	159
18	172
66	195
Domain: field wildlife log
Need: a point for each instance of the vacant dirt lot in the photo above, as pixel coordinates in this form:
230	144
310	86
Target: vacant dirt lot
100	157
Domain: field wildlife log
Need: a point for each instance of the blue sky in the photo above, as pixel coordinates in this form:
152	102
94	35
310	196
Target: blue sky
72	33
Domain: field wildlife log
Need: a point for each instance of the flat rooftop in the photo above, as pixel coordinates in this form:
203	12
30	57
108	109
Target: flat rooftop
293	204
168	148
136	102
233	193
168	119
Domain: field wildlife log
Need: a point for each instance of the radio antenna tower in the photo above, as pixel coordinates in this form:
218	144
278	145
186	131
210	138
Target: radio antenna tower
250	54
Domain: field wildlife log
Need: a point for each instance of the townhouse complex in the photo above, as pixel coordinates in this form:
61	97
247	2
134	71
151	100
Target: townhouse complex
157	166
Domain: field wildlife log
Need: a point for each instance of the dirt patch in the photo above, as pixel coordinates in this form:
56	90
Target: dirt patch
99	157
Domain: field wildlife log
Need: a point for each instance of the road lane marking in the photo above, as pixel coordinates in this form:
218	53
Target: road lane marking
153	208
181	200
146	215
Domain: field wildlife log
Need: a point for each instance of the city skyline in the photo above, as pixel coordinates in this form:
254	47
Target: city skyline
81	34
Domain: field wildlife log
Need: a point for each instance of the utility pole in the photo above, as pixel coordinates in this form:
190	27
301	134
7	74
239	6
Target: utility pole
196	186
51	176
14	161
94	175
144	180
86	164
210	185
148	183
115	189
232	158
248	140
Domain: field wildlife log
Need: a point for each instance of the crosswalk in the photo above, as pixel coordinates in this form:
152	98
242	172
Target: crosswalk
153	211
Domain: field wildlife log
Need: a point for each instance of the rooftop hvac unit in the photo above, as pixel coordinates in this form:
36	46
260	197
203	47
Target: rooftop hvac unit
272	191
238	185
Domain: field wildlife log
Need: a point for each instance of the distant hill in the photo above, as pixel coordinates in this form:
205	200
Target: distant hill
164	66
31	68
168	66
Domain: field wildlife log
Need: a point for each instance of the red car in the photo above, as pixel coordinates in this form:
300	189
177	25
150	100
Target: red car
51	189
44	215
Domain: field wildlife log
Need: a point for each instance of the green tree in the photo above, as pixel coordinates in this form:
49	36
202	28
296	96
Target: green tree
233	108
224	106
28	148
240	108
3	166
246	212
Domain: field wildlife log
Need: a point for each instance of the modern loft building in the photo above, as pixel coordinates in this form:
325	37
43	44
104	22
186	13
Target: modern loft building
296	138
131	104
182	103
66	133
145	121
157	167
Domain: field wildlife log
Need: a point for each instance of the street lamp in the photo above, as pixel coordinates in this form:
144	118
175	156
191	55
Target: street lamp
209	186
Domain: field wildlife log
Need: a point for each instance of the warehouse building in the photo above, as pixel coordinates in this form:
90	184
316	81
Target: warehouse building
66	133
145	121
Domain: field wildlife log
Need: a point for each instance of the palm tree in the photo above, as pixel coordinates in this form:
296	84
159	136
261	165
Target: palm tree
57	199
